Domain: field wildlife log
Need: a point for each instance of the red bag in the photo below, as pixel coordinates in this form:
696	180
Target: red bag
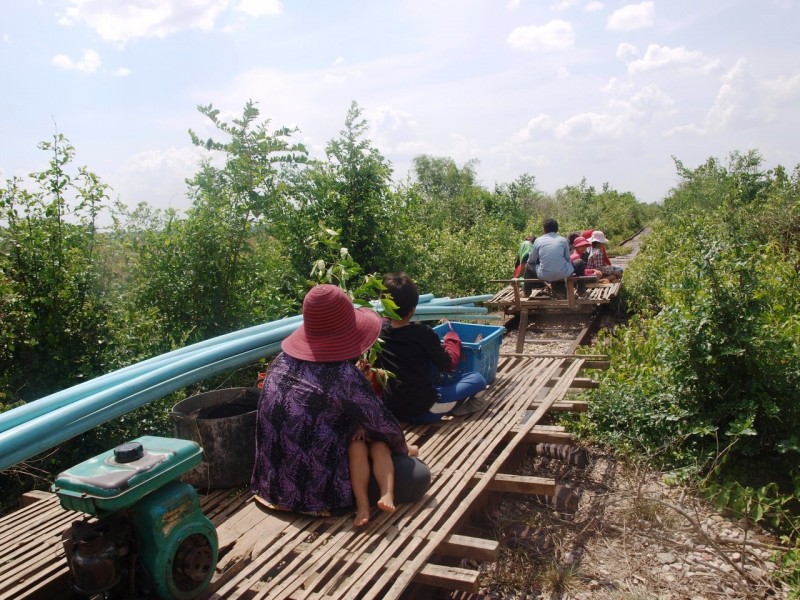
518	270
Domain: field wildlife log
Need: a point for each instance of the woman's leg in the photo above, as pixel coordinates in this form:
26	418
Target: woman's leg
383	469
358	459
412	478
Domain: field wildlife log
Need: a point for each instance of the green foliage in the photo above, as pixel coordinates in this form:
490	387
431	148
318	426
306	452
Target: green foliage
53	283
707	378
440	179
220	269
337	267
459	262
722	338
349	193
618	215
77	302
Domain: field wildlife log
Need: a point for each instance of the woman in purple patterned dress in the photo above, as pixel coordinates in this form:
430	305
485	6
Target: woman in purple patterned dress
313	398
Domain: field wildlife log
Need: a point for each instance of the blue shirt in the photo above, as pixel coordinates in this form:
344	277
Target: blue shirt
550	252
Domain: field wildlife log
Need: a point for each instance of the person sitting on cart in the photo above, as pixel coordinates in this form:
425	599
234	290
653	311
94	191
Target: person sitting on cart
598	258
409	351
522	255
549	259
313	400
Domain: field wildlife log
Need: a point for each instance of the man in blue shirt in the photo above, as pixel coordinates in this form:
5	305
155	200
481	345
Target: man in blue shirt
549	257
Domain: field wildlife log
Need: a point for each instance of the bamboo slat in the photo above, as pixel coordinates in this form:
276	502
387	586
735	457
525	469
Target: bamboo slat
267	554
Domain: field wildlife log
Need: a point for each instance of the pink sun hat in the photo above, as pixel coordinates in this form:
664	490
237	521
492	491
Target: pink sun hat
332	330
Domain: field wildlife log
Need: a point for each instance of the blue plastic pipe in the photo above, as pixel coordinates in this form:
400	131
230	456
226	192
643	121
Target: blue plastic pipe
227	343
61	398
28	440
112	395
21	414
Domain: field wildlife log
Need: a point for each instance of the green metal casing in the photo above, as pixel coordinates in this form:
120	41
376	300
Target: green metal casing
164	520
102	485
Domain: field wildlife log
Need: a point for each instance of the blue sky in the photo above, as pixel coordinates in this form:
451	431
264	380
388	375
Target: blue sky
605	90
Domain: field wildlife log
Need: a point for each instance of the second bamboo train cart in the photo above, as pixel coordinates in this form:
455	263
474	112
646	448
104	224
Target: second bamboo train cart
513	300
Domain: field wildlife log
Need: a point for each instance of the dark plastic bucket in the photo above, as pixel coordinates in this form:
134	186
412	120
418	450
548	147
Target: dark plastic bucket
223	422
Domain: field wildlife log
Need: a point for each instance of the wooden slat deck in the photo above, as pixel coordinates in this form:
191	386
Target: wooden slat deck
268	554
511	298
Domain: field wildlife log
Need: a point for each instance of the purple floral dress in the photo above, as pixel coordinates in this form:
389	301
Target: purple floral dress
306	414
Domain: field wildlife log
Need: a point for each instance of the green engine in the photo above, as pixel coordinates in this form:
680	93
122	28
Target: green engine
147	535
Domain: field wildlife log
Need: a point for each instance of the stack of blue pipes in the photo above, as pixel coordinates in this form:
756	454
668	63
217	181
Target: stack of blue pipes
39	425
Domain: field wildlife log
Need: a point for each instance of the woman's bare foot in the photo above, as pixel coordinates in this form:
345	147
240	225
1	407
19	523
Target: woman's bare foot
386	503
362	517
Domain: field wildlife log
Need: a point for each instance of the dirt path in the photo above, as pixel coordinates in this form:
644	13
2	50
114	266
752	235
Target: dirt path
621	533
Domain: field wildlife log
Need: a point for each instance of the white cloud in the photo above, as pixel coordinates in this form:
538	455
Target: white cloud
594	6
563	5
617	87
783	88
649	103
589	125
555	35
6	38
88	62
395	131
539	124
159	173
120	22
259	8
513	4
736	105
121	72
461	148
632	16
626	51
659	58
339	60
334	79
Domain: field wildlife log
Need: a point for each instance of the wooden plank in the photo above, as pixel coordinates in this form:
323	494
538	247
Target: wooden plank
519	484
544	437
451	578
576	406
452	505
462	546
269	555
581	383
34	496
523	327
402	581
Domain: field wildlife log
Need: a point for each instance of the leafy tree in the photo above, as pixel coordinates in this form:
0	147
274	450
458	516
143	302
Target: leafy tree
517	202
52	277
349	193
220	268
440	178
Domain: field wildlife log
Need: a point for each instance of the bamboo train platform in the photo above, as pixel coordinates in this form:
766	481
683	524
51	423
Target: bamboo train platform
512	298
271	555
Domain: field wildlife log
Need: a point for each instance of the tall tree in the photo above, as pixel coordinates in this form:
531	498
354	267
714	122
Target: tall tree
203	272
53	280
349	193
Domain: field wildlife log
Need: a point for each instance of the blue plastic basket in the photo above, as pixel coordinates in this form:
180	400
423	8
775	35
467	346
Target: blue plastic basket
477	353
